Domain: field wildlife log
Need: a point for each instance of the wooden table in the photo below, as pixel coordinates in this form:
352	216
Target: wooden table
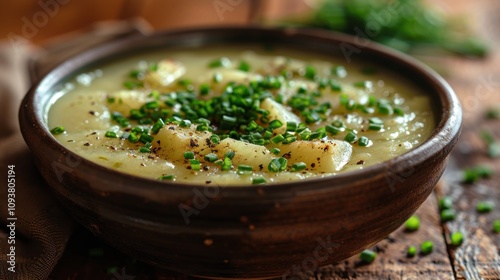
477	83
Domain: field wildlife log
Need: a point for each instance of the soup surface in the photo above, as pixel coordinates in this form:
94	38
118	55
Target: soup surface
239	115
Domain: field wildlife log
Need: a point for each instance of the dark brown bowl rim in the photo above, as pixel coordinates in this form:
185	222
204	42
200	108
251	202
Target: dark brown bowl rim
445	134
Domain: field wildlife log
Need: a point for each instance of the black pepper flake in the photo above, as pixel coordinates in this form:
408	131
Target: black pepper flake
313	165
71	141
158	142
86	144
171	128
205	168
142	164
93	133
92	113
208	182
287	155
261	166
193	143
112	148
207	140
361	162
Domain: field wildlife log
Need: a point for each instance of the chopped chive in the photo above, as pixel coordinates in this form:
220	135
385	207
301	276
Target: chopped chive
252	126
496	226
153	67
305	134
413	223
275	151
411	252
132	84
110	134
363	141
368	256
314	135
298	166
493	113
473	174
275	124
448	215
363	84
244	169
158	125
310	72
135	74
111	100
221	62
215	139
457	238
195	164
267	135
274	165
277	139
484	206
152	105
144	150
230	154
445	203
291	126
185	123
338	123
188	155
283	163
398	111
132	138
226	164
375	126
258	180
167	177
335	86
146	138
57	130
350	137
204	89
426	247
385	109
211	157
289	140
137	130
244	66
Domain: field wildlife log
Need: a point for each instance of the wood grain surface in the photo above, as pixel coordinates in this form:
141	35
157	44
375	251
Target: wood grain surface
477	83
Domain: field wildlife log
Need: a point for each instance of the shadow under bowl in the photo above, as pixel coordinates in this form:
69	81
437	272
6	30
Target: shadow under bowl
251	231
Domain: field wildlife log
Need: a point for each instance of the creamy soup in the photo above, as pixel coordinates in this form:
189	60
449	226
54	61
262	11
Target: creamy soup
239	115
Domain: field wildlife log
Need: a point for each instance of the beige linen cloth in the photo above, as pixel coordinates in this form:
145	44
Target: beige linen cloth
42	228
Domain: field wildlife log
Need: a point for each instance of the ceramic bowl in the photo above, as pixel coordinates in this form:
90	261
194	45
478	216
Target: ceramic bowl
251	231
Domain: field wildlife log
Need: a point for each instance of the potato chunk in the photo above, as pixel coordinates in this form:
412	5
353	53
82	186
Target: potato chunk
226	76
245	153
172	141
279	112
168	71
125	100
319	156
